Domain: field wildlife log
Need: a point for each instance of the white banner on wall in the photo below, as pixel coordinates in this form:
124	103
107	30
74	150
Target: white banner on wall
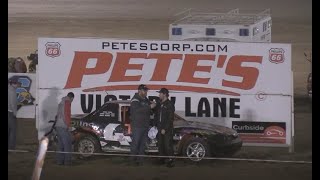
244	86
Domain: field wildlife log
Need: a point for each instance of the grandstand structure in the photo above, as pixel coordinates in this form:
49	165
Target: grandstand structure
232	25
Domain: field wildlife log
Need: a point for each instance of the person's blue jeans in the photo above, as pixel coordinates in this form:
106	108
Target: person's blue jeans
139	139
12	130
64	145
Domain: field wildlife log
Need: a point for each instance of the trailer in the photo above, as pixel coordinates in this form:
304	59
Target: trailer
230	26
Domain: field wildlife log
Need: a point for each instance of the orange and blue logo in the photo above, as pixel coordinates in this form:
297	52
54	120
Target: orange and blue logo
24	96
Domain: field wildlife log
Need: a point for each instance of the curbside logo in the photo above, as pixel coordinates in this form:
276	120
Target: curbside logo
53	49
248	128
261	132
276	55
274	131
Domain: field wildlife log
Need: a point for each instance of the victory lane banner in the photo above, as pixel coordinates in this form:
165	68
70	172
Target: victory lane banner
211	82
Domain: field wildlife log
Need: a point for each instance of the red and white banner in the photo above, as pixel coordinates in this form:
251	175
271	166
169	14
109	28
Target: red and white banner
213	82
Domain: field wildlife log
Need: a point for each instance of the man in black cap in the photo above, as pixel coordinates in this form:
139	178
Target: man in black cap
165	117
140	121
13	84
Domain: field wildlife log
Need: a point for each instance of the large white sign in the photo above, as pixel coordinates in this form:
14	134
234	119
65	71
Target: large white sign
26	94
244	86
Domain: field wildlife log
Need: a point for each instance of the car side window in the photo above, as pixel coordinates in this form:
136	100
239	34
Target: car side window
108	112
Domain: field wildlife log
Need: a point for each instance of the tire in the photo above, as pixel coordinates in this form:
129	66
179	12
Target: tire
202	149
86	144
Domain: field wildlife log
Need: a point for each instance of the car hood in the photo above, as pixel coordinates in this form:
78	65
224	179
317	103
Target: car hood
204	126
78	116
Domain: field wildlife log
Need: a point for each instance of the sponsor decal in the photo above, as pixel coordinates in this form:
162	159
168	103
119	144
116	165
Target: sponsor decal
53	49
24	97
107	114
276	55
261	132
77	123
110	135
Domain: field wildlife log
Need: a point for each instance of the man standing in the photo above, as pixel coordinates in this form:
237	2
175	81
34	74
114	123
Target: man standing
140	121
165	126
63	119
13	84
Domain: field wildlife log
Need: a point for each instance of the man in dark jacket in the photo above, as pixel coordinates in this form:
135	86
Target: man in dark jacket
140	121
165	117
13	84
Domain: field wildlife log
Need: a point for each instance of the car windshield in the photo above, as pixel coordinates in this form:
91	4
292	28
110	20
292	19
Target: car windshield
97	110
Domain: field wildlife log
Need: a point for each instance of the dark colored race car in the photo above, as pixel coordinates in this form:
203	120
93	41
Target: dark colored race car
108	129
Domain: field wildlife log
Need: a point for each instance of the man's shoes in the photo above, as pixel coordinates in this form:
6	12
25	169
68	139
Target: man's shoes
64	164
135	163
130	163
139	163
170	163
68	164
161	162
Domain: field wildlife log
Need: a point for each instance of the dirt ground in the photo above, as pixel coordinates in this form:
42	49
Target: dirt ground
30	19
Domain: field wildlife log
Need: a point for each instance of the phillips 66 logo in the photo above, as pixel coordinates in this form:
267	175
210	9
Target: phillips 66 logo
276	55
53	49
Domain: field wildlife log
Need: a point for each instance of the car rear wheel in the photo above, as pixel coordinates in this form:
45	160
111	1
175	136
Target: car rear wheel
196	149
87	144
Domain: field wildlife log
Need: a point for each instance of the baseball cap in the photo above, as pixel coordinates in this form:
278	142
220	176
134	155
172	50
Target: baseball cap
143	87
164	91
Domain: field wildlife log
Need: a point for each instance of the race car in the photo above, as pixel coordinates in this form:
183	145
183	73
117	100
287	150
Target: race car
108	129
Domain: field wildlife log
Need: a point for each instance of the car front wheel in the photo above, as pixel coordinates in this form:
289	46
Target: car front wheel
196	149
88	145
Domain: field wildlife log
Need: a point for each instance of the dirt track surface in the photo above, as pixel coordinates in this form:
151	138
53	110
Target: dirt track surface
118	169
30	19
